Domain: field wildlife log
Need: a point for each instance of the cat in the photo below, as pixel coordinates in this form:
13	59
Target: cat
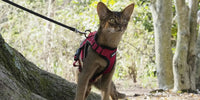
95	68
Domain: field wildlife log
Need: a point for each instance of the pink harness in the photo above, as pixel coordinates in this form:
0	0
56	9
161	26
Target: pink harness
105	52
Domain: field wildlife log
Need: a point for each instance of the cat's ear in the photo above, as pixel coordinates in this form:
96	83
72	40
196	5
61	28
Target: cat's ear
102	10
128	11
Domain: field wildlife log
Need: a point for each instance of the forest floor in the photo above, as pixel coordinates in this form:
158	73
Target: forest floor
135	91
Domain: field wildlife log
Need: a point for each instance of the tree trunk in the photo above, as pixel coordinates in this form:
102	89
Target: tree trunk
198	62
22	80
162	18
193	5
49	36
198	55
184	59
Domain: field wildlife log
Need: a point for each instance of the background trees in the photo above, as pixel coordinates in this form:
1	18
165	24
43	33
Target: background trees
198	54
184	59
162	17
184	66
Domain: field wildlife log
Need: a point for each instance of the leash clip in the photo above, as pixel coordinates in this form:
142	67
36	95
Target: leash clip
86	31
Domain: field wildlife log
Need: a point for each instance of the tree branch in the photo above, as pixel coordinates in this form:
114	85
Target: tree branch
24	80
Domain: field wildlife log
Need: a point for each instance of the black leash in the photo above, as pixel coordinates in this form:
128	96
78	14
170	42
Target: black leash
46	18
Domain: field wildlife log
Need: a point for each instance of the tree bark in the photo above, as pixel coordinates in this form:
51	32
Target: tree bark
180	65
198	55
184	67
162	18
198	62
22	80
193	5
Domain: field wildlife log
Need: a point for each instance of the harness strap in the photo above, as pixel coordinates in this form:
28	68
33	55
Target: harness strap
79	66
108	54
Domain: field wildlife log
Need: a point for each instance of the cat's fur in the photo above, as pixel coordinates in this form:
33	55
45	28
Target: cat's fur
112	26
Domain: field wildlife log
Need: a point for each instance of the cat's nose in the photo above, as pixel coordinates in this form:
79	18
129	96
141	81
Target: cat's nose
119	28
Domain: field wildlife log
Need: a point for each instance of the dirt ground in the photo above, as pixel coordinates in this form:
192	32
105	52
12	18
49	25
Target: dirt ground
135	91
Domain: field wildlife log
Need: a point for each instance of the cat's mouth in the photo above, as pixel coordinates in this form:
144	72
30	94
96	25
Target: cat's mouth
115	30
119	30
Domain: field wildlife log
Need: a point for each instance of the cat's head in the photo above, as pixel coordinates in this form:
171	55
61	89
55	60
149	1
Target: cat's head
112	21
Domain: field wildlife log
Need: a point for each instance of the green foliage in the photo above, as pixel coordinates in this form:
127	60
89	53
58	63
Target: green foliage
144	15
52	47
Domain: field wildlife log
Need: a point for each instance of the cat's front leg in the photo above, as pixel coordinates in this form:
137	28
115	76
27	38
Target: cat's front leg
81	87
106	85
106	92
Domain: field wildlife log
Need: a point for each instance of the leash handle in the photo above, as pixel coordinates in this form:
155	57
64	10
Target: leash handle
44	17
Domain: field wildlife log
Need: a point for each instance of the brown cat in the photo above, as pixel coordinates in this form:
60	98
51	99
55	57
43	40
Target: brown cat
97	64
